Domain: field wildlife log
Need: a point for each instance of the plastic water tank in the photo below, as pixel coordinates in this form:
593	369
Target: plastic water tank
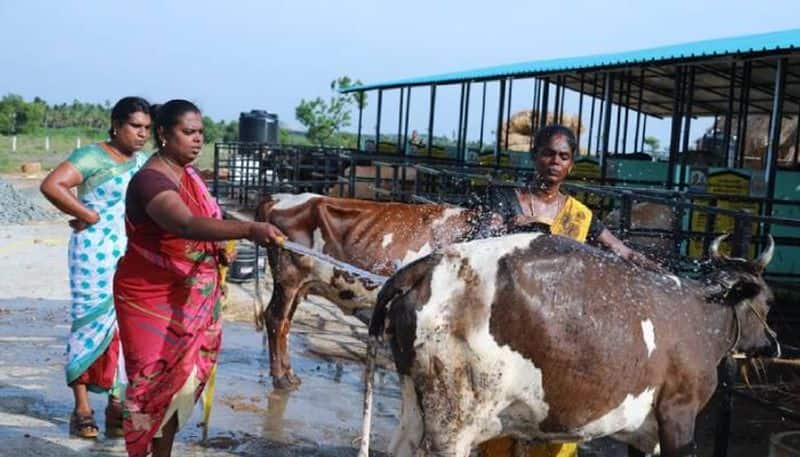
258	126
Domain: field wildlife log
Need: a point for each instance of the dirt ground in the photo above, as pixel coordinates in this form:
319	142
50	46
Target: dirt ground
322	418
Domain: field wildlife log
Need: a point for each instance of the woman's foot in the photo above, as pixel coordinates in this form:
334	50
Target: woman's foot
83	425
114	418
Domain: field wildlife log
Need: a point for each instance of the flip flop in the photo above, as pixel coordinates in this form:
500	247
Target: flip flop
83	426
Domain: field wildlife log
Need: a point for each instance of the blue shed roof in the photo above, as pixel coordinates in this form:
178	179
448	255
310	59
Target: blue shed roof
745	44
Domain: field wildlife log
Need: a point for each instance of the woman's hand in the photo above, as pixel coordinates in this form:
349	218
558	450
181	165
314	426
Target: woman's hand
265	233
618	247
643	261
78	225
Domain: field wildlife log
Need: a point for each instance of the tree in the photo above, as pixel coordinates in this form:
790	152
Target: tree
11	106
652	143
212	131
323	119
231	132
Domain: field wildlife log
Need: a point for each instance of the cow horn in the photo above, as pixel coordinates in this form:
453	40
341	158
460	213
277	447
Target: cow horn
714	248
763	260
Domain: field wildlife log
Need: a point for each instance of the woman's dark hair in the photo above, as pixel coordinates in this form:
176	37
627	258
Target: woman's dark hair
546	133
167	115
124	108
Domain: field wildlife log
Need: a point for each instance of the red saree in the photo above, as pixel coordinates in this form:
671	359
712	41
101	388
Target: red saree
167	299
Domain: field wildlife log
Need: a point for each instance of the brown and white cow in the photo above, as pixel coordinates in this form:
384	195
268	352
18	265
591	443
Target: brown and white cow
542	338
373	236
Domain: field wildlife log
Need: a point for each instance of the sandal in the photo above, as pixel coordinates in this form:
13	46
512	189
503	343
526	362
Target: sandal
114	419
83	426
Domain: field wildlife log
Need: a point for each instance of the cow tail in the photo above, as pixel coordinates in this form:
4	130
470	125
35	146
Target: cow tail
396	287
398	300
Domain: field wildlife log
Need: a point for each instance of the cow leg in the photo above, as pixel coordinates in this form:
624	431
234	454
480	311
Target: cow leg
676	428
283	344
288	280
277	325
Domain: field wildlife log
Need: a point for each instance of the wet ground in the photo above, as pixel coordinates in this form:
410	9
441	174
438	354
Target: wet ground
322	418
248	418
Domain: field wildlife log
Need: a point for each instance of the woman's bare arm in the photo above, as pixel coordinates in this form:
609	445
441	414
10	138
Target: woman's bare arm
57	188
618	247
171	214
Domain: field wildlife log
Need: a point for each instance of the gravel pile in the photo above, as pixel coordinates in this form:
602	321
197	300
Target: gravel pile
16	208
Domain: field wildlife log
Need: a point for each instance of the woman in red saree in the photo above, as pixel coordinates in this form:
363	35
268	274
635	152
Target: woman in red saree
166	288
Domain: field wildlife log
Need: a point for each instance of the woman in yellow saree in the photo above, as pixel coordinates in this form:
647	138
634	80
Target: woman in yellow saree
542	206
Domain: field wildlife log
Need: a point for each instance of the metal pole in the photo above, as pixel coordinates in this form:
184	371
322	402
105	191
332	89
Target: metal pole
460	122
535	97
591	116
557	104
639	110
675	132
744	105
405	131
687	123
360	115
508	110
627	110
378	124
430	120
600	120
775	124
400	146
499	132
537	113
619	112
644	129
215	183
466	124
563	96
580	113
726	135
726	373
483	116
607	96
797	142
545	101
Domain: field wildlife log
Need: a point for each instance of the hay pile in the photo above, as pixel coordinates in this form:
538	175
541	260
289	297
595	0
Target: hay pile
520	131
757	136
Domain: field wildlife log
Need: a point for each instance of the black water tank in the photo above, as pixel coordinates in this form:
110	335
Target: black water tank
258	126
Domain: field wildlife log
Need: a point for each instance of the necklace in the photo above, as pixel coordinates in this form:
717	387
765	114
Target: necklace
554	200
168	163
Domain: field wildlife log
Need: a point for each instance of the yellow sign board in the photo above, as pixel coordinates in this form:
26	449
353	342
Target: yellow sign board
726	182
589	170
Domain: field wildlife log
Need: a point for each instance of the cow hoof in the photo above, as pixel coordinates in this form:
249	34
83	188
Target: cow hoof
294	379
286	382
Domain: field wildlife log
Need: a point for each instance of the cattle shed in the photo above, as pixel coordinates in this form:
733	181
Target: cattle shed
740	175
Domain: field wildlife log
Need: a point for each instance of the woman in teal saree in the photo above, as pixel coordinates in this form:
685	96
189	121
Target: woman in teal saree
101	173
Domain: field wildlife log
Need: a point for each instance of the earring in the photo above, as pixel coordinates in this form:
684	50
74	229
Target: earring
163	143
114	132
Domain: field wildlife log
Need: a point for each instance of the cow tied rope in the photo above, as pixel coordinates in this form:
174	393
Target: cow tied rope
372	343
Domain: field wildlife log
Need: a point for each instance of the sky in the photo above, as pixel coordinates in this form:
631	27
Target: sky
234	56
